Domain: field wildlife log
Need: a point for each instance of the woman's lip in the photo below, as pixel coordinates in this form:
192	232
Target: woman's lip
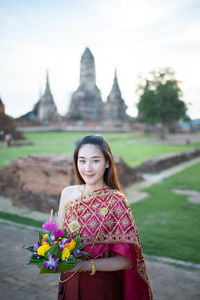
90	175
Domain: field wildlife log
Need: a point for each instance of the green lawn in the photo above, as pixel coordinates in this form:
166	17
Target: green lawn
168	224
20	219
120	143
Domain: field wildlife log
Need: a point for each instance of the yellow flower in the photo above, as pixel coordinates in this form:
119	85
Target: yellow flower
65	253
71	245
42	249
45	236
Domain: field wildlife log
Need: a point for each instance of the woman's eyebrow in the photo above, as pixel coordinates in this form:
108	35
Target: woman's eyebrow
95	156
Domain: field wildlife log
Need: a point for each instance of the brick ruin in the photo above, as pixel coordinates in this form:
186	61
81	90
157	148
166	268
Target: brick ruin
37	181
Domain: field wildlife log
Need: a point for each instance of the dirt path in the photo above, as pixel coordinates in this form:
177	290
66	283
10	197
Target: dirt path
19	281
176	139
134	193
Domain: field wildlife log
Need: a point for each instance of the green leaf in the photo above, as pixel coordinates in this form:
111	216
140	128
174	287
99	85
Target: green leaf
55	249
62	268
35	261
81	255
41	233
65	234
78	242
28	248
71	260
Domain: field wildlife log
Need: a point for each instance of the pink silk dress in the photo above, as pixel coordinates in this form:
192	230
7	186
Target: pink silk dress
107	228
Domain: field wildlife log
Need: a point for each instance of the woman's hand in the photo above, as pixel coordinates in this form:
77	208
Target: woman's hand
81	266
114	263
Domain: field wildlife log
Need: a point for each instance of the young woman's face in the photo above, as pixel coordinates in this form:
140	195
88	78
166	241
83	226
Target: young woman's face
91	164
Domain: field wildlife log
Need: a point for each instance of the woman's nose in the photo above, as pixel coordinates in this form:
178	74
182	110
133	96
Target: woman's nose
88	166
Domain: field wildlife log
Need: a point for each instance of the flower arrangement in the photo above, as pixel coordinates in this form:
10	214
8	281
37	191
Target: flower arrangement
55	252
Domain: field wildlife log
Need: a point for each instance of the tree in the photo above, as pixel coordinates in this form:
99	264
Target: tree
160	99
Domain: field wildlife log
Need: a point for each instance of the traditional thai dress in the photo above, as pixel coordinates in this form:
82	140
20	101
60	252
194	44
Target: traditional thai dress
107	228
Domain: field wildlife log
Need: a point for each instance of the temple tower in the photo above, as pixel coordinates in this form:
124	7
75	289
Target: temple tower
47	111
87	70
86	102
115	107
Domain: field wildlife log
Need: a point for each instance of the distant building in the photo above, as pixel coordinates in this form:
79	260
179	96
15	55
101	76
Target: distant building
44	110
86	102
115	107
47	110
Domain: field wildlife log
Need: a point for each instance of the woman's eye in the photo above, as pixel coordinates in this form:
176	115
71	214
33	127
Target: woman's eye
81	161
96	161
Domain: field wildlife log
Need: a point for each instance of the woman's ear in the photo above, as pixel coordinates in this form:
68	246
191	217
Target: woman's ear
107	164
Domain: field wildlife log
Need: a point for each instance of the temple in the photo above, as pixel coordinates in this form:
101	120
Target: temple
47	111
86	102
115	107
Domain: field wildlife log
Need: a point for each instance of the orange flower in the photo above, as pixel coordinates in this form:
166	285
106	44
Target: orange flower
71	245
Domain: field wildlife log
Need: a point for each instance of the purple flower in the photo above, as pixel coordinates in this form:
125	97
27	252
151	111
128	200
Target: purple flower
52	263
62	247
52	238
63	242
76	252
35	246
49	226
58	232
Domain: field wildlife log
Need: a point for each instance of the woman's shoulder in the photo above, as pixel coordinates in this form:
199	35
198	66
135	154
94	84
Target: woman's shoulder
72	188
71	192
120	197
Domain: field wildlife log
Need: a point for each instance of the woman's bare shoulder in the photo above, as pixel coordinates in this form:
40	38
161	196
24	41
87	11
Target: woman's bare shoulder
71	192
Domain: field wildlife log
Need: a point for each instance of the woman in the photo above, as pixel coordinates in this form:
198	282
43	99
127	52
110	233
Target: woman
98	212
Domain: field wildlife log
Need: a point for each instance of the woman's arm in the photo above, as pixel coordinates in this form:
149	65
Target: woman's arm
114	263
69	193
65	196
61	210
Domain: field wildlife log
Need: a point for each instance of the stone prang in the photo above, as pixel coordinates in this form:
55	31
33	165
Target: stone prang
87	71
47	111
86	103
115	107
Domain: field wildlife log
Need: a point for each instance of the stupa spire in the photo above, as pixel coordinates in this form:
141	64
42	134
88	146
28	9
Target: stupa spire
47	110
115	92
47	90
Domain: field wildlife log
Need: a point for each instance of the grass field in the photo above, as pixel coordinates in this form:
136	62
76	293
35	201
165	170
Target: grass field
20	219
122	144
168	224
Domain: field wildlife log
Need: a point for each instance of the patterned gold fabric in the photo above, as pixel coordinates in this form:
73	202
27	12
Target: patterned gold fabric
118	225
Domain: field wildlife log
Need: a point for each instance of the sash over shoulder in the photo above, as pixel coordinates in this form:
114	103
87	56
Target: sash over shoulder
107	213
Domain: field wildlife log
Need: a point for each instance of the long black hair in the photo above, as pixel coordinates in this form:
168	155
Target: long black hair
110	175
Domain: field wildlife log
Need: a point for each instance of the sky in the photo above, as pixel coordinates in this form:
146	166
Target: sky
134	36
